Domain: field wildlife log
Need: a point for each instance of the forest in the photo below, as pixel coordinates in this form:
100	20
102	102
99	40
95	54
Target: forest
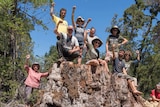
16	25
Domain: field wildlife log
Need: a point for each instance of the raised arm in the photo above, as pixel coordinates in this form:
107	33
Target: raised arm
87	22
113	46
26	66
73	22
85	36
138	55
52	9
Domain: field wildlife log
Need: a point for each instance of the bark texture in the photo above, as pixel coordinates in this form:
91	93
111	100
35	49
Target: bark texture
68	86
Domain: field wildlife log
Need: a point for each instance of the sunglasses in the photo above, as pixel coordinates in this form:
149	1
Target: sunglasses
80	21
97	42
115	30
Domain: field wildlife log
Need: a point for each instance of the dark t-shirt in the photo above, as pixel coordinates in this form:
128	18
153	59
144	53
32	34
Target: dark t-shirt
118	65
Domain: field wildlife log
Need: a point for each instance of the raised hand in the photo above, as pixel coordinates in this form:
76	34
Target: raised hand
27	56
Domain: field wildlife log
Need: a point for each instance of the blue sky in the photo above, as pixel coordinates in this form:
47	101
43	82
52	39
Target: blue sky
100	11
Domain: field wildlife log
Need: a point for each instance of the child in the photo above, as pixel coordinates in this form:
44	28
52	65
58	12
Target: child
79	29
33	79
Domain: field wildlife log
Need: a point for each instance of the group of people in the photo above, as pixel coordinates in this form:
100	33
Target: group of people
74	41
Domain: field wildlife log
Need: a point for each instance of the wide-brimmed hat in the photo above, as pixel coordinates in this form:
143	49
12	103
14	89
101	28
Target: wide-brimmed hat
115	27
36	63
95	39
80	17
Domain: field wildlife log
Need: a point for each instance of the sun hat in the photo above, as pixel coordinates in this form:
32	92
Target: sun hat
115	27
36	63
95	39
80	17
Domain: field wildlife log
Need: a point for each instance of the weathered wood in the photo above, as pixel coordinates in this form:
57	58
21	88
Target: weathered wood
104	90
68	85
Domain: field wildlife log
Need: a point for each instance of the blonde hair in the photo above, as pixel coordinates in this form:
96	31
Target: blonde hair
128	53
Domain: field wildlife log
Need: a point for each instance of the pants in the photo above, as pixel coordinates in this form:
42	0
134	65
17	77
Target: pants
64	52
28	92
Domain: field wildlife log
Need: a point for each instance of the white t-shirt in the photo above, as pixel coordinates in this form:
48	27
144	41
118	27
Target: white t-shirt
69	42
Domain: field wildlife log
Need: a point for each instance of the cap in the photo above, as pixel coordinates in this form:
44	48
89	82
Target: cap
80	17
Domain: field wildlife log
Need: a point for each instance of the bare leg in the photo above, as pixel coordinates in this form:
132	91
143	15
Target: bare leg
134	89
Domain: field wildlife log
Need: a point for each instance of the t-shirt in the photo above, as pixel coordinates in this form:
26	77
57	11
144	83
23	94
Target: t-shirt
89	39
62	26
118	65
33	78
79	34
128	65
68	42
92	54
114	40
155	93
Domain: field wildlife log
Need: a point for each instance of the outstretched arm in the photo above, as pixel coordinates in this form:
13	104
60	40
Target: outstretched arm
87	22
73	22
52	9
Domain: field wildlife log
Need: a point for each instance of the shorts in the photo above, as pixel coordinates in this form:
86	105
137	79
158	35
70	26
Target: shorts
109	55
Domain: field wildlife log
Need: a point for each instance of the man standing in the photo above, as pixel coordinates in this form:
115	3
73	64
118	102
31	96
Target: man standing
62	26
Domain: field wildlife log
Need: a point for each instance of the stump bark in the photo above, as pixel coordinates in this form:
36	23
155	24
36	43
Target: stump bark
67	87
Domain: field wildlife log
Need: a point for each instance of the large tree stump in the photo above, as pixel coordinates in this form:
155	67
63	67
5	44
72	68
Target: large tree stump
67	87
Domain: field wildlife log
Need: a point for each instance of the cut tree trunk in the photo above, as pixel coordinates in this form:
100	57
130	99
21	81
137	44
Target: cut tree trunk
68	86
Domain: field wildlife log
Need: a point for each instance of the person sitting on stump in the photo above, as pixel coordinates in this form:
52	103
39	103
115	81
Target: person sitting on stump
67	45
92	55
120	71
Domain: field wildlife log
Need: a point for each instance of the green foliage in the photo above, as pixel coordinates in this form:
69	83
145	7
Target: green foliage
15	26
51	57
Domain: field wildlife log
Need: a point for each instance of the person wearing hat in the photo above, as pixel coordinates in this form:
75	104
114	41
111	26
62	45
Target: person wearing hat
93	58
67	45
79	29
33	79
116	39
63	26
